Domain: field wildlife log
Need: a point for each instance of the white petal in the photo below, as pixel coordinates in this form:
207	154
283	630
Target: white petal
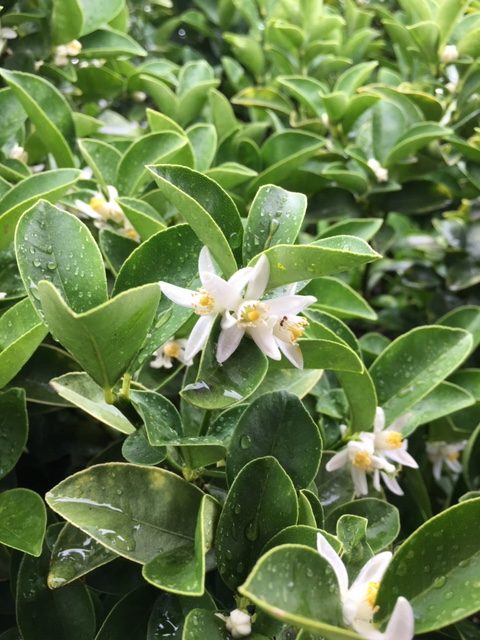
402	457
338	461
379	421
373	570
226	296
179	295
392	484
360	483
263	338
437	469
400	423
240	278
87	210
228	341
366	630
326	550
401	625
205	263
289	305
199	336
292	352
376	480
258	279
228	320
454	465
112	192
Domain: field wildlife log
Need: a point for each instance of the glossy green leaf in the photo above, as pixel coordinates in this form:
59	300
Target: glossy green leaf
297	381
142	216
66	614
466	317
21	331
75	554
80	390
54	245
219	387
205	623
209	211
106	43
230	175
364	228
275	217
107	338
417	137
166	146
278	425
22	520
130	612
447	551
13	428
182	570
103	502
383	520
102	158
203	139
49	185
95	16
336	297
415	363
313	600
294	263
261	501
115	248
48	110
162	421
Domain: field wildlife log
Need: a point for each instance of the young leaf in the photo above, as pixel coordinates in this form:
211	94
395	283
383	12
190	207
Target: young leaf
13	428
22	520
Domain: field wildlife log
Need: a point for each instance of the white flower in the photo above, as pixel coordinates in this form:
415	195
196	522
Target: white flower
448	453
380	172
173	349
139	96
2	295
272	324
362	459
65	51
86	173
103	211
215	296
373	453
449	54
238	623
18	153
359	600
6	34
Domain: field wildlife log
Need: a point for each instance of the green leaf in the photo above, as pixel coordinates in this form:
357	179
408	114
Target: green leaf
54	245
115	248
166	146
182	570
75	554
21	331
294	263
143	217
230	175
383	520
48	110
103	502
102	158
66	20
107	338
106	43
80	390
261	501
338	298
159	122
203	624
13	428
162	421
415	363
210	212
275	217
263	97
446	549
13	116
219	387
203	138
277	424
66	614
313	600
95	15
137	449
131	612
361	396
364	228
49	185
466	317
417	137
22	520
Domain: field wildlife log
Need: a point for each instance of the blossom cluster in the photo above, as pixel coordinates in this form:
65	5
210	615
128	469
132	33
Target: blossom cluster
103	212
272	323
373	453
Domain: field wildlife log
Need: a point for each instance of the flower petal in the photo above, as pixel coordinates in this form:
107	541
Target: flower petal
366	630
87	210
360	483
179	295
205	263
379	421
373	570
199	336
326	550
228	341
240	278
338	461
402	457
226	296
401	625
392	484
258	279
437	469
292	352
265	341
289	305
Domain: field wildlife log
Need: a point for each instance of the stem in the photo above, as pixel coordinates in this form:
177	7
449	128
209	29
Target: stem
126	381
109	395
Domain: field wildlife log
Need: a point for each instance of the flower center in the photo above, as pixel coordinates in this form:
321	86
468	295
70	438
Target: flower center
172	349
453	455
203	303
252	313
98	204
296	329
372	591
393	439
362	460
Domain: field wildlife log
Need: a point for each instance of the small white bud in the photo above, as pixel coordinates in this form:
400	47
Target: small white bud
239	624
449	54
139	96
380	172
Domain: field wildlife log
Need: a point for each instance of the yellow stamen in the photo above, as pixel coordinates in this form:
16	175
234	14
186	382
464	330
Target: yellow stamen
393	439
253	315
172	349
362	460
205	300
97	203
372	591
453	455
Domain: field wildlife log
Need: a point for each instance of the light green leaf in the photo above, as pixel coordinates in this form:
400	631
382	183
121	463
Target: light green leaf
22	520
13	428
337	297
102	158
466	317
142	216
106	43
417	137
96	15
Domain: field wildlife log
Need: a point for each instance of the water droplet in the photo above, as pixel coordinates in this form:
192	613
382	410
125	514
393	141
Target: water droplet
245	442
251	531
439	582
51	264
